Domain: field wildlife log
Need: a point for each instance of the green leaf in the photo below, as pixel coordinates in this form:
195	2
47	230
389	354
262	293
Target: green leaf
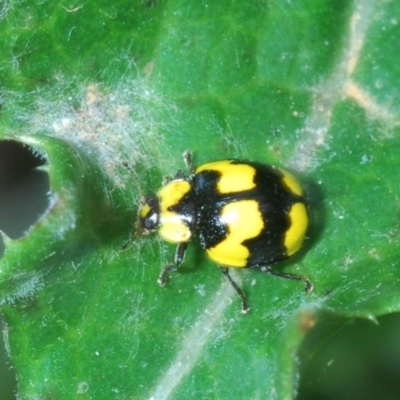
108	96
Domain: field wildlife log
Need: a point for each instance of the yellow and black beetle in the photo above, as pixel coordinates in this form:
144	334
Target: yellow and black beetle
247	215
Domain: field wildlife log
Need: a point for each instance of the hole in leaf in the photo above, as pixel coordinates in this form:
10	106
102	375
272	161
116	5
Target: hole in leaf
23	189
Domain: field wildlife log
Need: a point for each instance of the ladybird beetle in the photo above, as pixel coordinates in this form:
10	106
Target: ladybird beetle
247	215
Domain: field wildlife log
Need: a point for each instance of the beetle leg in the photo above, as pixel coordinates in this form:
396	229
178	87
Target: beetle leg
239	291
179	257
179	175
309	286
188	160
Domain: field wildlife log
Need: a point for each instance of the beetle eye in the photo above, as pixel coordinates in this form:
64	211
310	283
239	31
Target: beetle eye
150	214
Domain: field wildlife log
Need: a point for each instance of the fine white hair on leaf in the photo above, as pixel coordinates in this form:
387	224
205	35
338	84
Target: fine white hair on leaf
115	124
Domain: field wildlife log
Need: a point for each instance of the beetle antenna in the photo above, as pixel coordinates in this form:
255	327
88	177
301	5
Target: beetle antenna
142	200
